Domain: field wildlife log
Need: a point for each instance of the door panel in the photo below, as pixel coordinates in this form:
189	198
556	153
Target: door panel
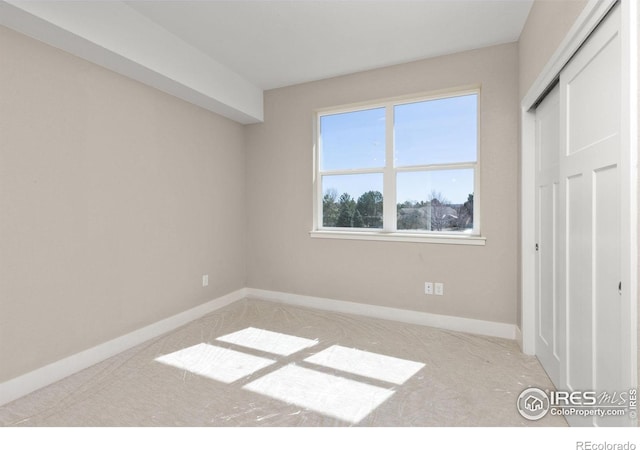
578	287
601	68
546	325
607	277
547	179
608	305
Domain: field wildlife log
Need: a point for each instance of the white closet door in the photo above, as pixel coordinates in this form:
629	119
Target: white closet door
590	217
581	328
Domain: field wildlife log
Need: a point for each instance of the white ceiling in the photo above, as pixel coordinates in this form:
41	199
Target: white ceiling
222	55
279	43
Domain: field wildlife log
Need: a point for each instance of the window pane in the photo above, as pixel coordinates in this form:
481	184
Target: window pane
436	131
352	201
353	140
436	200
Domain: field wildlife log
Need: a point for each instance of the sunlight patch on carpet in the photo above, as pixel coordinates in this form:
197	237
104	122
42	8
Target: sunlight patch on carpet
333	396
268	341
216	363
367	364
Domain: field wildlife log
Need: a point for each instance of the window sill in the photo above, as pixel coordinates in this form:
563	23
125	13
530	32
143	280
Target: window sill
400	237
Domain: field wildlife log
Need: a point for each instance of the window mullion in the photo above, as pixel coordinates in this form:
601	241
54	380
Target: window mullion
389	183
441	166
351	171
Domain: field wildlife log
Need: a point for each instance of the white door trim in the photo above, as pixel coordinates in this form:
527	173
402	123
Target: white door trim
588	20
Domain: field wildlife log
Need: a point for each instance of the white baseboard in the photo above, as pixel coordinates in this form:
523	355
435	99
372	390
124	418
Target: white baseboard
474	326
39	378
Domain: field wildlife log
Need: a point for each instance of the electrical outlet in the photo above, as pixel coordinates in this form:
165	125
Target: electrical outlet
439	288
428	288
205	280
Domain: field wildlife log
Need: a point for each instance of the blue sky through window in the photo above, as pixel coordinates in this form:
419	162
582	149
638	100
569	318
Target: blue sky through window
455	185
354	140
440	131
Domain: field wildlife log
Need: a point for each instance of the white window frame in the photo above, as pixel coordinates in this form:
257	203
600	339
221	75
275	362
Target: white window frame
389	172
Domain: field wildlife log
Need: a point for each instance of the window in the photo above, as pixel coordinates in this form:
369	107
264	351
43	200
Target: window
400	170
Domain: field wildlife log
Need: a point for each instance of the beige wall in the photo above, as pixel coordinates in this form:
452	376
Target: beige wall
480	282
546	27
114	200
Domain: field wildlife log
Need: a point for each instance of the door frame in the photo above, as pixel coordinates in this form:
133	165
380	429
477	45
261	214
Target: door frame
591	16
